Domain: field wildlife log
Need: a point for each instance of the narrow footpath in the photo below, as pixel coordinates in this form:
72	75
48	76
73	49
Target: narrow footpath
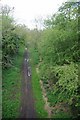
27	109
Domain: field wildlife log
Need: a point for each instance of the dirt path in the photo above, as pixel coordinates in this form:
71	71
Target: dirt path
27	109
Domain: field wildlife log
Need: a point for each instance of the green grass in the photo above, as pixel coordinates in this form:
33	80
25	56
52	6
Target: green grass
39	102
11	88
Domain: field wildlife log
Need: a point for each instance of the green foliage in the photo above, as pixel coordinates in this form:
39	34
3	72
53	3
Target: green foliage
61	115
11	88
35	56
59	56
11	37
61	45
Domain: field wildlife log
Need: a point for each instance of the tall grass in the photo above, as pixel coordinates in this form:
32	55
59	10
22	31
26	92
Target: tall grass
11	88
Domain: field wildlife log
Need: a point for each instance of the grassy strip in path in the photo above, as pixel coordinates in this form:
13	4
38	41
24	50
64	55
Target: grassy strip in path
12	88
39	102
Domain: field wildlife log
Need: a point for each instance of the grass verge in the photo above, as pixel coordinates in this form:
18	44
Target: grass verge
11	88
39	102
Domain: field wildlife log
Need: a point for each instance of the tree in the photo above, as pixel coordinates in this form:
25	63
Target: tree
11	38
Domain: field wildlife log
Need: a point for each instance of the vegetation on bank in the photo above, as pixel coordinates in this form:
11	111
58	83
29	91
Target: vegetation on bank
11	88
12	55
13	36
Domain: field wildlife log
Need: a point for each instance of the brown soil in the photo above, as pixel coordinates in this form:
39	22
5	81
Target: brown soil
27	109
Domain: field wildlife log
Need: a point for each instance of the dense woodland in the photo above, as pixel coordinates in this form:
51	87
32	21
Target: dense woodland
54	51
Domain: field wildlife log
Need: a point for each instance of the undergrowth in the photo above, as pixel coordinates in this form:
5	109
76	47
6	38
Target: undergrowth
11	88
